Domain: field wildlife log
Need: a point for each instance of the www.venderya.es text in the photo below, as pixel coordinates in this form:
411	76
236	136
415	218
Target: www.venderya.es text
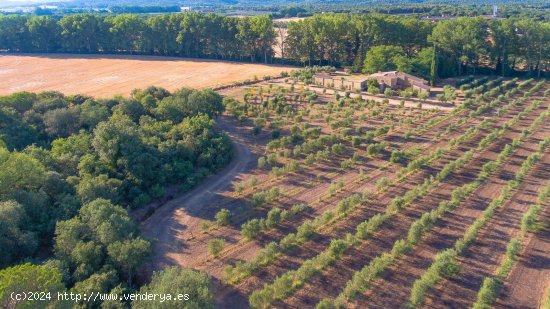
95	296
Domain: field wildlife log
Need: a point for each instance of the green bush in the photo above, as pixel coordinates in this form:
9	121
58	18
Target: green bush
250	229
223	217
215	246
487	294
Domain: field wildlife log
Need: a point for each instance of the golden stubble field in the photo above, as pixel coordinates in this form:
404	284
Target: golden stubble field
108	75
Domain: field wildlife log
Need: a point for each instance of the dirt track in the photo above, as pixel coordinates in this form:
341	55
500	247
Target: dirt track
108	75
179	219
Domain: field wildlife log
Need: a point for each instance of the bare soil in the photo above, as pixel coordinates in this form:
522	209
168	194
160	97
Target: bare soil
391	290
485	254
530	276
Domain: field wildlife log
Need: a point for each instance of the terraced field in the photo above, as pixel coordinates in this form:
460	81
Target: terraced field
338	201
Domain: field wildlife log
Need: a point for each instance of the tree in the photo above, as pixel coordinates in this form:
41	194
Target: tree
206	102
386	58
44	33
62	122
504	44
373	87
128	31
14	240
14	34
101	282
27	278
175	280
171	108
462	38
101	237
256	36
19	171
433	68
92	113
107	222
91	188
129	255
82	33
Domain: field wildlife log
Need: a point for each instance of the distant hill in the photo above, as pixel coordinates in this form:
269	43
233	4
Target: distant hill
271	3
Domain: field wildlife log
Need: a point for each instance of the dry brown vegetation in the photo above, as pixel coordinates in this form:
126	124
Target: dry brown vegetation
108	75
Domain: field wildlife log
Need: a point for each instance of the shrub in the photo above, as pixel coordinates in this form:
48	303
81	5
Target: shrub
337	247
261	298
268	196
223	217
487	293
382	183
305	231
256	130
261	162
528	221
272	159
374	149
215	246
398	156
298	208
250	229
274	217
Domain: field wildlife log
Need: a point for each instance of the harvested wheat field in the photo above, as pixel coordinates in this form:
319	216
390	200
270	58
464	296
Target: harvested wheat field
107	75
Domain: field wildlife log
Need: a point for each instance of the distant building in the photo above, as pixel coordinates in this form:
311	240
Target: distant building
340	81
400	80
393	79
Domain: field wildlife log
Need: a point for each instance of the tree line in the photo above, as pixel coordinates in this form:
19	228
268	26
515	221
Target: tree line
455	47
71	166
185	35
446	48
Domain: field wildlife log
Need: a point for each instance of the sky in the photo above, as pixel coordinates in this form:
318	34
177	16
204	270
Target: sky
6	3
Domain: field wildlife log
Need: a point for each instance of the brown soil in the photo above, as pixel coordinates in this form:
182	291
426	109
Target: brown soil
321	241
386	292
530	276
108	75
485	254
176	225
181	241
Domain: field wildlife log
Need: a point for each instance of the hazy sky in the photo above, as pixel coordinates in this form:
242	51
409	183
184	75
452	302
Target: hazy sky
5	3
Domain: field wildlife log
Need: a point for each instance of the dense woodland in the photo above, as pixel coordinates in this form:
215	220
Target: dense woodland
72	166
446	48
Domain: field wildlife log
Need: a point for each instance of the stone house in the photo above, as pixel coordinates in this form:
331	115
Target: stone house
339	81
400	80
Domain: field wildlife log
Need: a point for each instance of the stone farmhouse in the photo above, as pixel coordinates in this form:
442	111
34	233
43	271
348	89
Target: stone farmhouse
400	80
394	79
339	81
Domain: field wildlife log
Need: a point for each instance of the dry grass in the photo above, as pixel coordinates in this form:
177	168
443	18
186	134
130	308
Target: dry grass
107	75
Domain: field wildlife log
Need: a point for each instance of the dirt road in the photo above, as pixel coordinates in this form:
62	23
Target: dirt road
179	220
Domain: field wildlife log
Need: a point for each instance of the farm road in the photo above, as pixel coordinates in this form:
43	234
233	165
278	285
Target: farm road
177	221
